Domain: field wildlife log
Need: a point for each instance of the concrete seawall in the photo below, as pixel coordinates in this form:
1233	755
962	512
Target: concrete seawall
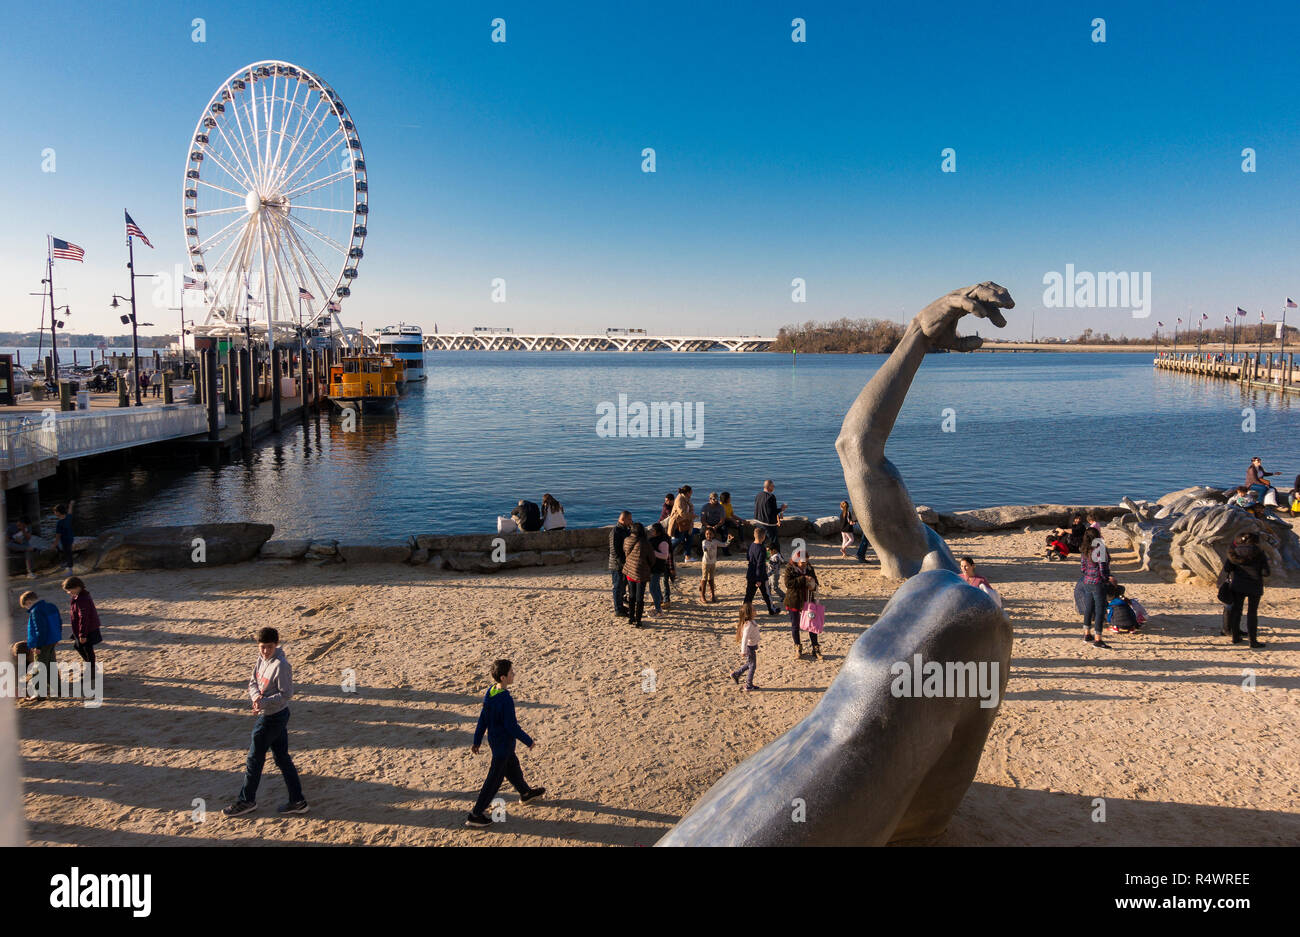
201	545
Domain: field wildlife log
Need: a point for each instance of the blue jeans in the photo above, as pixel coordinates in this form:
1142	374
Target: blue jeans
1095	602
618	582
1260	490
270	732
862	545
687	542
750	665
660	593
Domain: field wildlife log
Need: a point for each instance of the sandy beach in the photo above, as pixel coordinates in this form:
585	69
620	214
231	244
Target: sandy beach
1160	726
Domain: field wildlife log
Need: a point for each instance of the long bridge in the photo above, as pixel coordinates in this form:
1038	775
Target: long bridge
629	341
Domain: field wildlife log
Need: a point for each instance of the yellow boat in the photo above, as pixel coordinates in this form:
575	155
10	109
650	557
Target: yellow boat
368	383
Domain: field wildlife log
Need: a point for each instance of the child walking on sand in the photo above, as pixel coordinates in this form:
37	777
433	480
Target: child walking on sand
747	635
44	631
709	563
270	688
85	619
498	720
756	570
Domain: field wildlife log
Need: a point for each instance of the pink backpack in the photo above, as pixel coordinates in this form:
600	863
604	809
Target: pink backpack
813	618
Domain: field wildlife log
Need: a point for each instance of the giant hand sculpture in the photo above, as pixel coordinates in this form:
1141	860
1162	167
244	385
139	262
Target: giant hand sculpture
888	517
881	757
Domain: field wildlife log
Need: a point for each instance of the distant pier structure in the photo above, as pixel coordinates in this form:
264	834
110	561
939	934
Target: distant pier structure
613	340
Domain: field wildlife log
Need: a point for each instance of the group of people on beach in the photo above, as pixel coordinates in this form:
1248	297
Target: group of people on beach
644	559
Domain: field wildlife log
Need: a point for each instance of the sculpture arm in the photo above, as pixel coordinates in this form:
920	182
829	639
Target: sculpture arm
880	499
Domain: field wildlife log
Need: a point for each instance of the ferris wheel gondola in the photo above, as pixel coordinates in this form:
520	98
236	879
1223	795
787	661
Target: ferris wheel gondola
275	204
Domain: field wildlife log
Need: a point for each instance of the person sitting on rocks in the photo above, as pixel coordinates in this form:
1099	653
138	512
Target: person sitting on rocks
1257	479
1295	496
1246	499
714	515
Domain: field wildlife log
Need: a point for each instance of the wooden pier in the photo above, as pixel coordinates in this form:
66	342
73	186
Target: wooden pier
1269	371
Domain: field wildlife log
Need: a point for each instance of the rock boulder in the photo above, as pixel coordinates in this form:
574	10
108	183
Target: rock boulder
179	547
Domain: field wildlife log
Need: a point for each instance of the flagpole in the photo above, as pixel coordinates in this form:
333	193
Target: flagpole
54	339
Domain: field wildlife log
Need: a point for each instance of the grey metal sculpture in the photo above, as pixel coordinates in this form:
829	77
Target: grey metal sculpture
881	758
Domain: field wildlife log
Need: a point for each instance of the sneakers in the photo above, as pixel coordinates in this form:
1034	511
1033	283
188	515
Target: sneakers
294	806
532	795
239	808
478	821
735	678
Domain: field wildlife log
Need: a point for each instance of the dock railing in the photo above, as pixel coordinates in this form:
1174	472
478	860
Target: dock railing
25	441
1268	369
79	433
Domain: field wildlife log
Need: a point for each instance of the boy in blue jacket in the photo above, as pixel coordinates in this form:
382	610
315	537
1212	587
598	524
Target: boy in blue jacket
44	631
498	720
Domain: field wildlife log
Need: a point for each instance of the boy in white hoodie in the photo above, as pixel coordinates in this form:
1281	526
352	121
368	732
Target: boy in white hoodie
270	688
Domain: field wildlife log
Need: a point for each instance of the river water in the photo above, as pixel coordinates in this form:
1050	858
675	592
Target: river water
490	428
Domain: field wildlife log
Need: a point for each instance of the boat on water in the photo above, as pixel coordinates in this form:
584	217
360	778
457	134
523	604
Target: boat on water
406	343
369	383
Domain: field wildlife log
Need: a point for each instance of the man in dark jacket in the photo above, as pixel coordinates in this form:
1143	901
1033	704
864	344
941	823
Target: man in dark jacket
498	720
767	512
618	582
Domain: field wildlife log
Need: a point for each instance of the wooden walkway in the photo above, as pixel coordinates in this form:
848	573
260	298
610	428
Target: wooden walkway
1268	371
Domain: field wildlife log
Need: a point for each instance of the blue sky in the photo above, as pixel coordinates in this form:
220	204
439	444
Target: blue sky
775	159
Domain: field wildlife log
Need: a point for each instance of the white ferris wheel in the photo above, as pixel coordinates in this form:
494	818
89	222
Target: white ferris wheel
275	205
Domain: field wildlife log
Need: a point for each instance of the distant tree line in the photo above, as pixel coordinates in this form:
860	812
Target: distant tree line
1246	335
843	336
81	339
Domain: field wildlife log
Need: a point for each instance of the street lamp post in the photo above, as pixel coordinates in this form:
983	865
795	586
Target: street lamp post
129	319
55	323
135	345
181	310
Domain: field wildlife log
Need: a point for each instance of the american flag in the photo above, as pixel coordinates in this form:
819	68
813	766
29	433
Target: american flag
1289	304
335	307
133	230
1261	315
1180	321
193	284
252	301
1204	316
1227	320
303	293
1242	312
1160	324
66	251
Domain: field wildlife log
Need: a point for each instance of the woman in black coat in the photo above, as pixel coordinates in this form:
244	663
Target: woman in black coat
1243	574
